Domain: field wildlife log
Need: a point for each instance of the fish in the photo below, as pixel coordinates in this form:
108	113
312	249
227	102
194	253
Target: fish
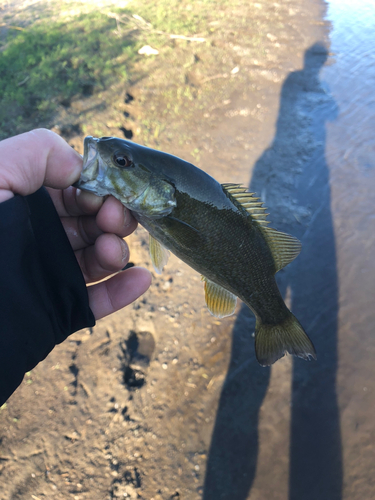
220	230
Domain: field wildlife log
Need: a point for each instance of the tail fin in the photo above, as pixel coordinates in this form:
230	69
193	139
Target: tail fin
273	341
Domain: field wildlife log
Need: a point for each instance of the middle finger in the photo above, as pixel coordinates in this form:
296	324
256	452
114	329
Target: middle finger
113	217
82	231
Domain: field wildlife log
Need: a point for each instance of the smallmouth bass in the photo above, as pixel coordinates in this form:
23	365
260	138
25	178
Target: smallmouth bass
220	230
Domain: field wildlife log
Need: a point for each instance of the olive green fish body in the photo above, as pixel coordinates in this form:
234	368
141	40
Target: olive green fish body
225	246
219	230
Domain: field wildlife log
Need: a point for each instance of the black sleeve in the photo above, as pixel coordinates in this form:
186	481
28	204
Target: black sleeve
43	296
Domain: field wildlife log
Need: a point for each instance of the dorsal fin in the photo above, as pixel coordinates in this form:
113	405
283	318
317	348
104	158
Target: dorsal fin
248	201
284	247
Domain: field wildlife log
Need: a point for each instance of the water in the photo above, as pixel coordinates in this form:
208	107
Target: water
351	79
350	157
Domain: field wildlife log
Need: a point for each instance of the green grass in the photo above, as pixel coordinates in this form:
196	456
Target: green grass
50	62
176	16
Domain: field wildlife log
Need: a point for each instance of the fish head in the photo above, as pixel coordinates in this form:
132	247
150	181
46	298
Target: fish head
126	170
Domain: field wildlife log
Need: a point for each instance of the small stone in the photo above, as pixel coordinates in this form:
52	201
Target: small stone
166	285
147	50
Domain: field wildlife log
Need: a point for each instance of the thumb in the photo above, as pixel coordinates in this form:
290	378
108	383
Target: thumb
36	158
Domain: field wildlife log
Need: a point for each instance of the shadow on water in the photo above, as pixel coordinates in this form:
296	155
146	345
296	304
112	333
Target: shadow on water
292	177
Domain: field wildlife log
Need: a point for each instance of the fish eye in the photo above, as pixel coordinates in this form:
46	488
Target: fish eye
122	161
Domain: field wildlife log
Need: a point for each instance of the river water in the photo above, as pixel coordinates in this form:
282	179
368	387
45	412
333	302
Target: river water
350	157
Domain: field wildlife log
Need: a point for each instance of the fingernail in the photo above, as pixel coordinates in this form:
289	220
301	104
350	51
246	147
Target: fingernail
125	251
76	165
127	217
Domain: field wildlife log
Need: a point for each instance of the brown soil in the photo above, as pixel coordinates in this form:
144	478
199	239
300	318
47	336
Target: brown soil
136	407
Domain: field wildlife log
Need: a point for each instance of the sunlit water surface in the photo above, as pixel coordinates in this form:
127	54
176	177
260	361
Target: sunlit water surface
350	156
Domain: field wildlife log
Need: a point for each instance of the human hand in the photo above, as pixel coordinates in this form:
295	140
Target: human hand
95	227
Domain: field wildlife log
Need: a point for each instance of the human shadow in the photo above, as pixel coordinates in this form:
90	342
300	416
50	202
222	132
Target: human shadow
293	179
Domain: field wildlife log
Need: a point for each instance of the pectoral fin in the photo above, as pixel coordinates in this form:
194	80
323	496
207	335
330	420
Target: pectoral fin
159	255
219	301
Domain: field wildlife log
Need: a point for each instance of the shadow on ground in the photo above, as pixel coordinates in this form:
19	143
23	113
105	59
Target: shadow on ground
292	177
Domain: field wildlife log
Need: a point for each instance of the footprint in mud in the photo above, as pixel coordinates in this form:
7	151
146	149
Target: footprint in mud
68	131
74	370
128	98
137	351
128	133
128	486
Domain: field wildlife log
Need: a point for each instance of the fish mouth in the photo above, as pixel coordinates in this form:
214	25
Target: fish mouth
90	150
93	168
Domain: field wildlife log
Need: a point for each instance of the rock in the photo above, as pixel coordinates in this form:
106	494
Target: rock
147	50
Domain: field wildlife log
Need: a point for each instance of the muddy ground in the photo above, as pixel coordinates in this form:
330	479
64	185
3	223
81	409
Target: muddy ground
162	401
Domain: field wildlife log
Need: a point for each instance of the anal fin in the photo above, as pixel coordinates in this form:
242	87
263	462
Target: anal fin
219	301
159	255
